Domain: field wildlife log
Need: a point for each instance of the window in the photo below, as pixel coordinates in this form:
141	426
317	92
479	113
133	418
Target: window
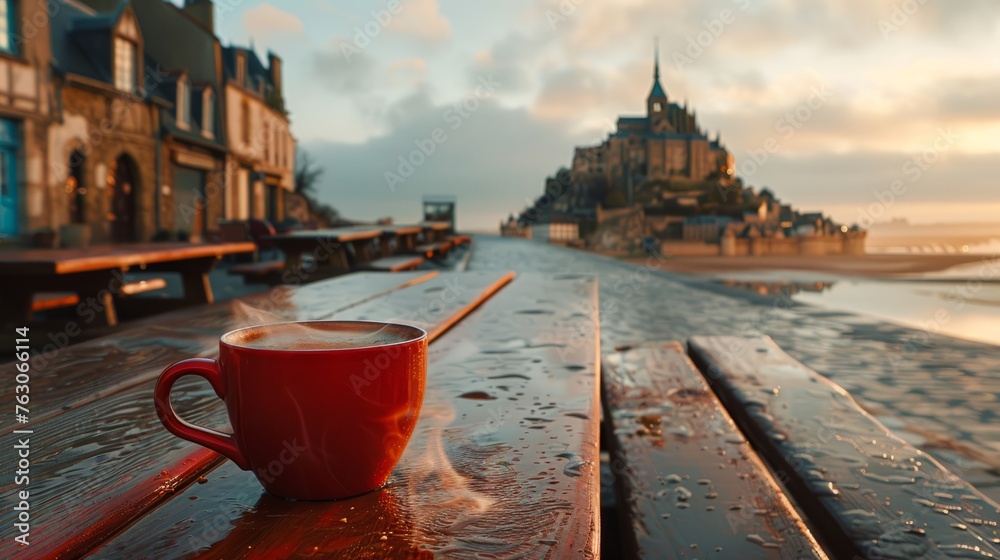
124	64
267	142
657	107
245	121
208	113
7	27
241	69
183	104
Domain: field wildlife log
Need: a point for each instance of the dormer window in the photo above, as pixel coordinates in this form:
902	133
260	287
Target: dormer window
125	51
241	69
126	54
208	113
183	104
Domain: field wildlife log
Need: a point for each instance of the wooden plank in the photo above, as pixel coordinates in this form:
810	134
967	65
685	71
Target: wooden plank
48	301
429	250
27	262
337	235
688	483
395	264
143	286
110	461
503	462
257	268
869	493
73	375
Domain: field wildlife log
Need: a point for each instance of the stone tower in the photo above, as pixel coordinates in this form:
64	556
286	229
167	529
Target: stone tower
657	104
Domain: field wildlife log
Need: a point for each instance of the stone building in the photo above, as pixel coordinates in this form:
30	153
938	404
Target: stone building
262	150
113	130
665	144
26	105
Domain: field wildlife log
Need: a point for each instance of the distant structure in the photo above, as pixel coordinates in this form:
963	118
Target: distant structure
665	144
127	120
658	181
440	208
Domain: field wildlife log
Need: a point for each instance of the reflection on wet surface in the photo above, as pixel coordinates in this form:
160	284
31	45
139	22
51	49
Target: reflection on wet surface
937	392
786	289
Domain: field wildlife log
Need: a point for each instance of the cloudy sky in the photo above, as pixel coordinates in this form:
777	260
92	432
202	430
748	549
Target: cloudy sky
830	103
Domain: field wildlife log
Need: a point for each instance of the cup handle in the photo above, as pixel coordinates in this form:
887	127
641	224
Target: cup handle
212	439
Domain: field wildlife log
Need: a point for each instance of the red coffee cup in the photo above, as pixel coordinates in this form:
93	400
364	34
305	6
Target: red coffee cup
319	410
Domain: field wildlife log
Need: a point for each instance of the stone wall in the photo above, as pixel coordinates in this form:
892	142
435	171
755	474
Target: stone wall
104	127
689	249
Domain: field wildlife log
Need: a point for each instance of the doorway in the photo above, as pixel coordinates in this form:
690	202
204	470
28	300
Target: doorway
122	182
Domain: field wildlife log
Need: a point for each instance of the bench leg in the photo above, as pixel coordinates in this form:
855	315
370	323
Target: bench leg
362	252
385	246
97	294
15	307
197	287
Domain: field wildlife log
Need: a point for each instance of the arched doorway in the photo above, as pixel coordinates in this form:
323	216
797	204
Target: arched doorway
76	192
123	181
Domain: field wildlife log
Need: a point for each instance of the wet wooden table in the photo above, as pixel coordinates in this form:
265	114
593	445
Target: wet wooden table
399	239
435	231
503	462
328	248
95	274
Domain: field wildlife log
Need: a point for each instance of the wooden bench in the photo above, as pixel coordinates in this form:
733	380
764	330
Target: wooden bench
434	250
503	460
394	264
460	240
47	301
688	483
264	272
868	493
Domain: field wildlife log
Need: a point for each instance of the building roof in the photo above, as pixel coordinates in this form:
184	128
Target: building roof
657	92
258	77
85	49
81	40
661	135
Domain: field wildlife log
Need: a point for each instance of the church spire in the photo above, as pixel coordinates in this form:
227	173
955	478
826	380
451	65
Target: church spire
658	92
656	58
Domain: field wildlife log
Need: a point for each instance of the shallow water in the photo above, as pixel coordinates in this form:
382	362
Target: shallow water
967	310
954	302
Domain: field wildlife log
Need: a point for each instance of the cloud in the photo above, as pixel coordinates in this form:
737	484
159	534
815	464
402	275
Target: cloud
407	71
422	19
344	68
266	22
493	159
508	61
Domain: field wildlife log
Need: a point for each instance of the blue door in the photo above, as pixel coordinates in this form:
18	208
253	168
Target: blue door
8	177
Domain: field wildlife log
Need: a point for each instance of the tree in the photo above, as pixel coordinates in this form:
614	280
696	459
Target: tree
307	173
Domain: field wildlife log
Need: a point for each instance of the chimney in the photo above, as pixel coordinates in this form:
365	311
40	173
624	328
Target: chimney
274	67
203	12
